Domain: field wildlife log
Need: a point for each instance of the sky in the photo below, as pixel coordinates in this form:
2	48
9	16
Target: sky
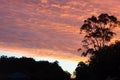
48	29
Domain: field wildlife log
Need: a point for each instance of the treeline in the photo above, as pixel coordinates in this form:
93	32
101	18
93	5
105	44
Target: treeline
103	65
12	68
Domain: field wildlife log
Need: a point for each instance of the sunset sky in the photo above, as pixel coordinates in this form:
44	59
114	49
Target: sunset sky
48	29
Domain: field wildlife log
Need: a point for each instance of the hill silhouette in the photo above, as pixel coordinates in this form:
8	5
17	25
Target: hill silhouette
12	68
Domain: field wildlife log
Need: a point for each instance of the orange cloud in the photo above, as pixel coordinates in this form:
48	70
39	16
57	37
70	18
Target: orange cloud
44	1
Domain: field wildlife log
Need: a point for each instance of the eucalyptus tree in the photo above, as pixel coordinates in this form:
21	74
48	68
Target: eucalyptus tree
98	31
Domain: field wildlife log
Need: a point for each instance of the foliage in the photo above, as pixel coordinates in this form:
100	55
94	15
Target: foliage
36	70
106	62
104	65
98	32
83	72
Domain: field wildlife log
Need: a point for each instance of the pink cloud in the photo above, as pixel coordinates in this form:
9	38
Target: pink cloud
48	25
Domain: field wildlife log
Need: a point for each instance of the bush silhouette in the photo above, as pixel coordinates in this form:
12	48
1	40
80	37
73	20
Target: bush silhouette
106	62
36	70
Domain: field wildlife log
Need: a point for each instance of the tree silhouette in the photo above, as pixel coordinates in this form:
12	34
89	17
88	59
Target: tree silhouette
98	32
83	72
106	63
35	70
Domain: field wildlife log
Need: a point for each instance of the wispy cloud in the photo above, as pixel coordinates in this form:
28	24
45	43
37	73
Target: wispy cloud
48	27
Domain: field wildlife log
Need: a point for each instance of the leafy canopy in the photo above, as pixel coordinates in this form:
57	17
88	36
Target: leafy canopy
98	32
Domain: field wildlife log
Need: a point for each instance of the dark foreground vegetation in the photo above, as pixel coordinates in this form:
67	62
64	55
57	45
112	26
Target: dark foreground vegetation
104	65
104	60
28	69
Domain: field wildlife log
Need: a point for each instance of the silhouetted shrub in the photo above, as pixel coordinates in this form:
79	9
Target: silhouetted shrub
36	70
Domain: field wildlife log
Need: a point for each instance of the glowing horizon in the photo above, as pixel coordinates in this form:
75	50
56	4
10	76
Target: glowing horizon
66	65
